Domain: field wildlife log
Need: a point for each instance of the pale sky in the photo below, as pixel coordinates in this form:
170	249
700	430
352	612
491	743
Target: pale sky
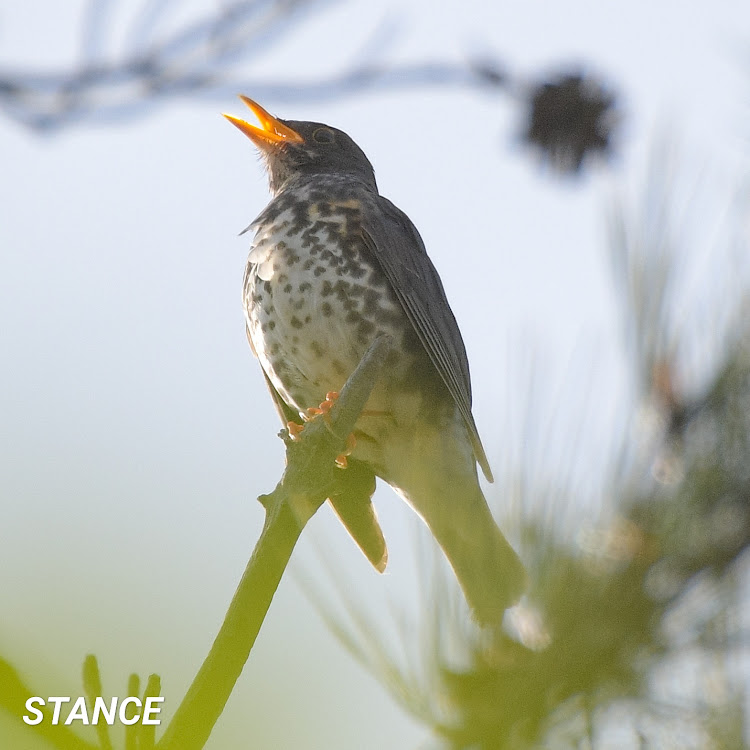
137	430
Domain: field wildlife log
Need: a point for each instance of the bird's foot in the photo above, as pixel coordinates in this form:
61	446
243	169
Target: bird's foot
325	407
341	460
294	429
323	410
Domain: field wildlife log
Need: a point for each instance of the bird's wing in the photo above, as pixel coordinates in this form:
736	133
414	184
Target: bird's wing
396	245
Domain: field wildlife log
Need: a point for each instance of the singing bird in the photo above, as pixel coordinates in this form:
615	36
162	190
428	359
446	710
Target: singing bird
333	264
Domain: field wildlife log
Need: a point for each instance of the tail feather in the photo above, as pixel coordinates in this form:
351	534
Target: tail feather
439	480
351	499
488	569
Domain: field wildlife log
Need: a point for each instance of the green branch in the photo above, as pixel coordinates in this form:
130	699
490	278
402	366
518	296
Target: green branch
301	491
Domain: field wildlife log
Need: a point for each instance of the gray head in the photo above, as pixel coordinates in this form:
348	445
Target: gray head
293	148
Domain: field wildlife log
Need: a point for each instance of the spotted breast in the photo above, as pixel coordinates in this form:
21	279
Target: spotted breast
314	299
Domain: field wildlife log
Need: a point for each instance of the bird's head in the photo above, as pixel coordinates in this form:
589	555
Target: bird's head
293	148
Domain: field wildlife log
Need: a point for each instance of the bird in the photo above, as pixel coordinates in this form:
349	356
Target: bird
333	264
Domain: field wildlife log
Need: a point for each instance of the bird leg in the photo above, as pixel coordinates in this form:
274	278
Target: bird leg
323	410
295	428
325	406
341	460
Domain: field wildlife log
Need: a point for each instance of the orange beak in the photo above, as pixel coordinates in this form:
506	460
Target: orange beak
271	132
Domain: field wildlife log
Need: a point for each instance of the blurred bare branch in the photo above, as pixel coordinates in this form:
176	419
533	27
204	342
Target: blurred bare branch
569	120
196	58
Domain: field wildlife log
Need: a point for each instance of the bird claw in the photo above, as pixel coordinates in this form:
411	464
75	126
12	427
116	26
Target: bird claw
341	460
323	410
325	406
294	429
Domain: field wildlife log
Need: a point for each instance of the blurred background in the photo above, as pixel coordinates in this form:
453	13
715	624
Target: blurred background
578	172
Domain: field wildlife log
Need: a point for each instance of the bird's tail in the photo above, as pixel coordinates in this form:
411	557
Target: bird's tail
450	501
351	499
488	569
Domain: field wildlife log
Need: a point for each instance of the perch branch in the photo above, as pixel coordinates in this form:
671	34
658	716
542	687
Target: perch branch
301	491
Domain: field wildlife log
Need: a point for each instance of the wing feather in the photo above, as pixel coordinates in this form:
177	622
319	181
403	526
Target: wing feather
396	245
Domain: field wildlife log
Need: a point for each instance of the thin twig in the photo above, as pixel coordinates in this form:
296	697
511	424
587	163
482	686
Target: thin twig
208	57
147	737
92	687
132	730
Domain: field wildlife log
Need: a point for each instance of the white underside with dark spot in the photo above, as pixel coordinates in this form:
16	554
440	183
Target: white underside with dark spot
310	322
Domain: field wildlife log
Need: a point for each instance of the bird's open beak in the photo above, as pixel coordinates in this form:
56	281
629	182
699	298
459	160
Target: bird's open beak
272	131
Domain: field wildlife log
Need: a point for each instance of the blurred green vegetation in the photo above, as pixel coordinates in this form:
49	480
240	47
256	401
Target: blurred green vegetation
631	634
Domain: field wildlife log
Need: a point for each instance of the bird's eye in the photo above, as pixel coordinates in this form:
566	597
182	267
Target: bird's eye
323	135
